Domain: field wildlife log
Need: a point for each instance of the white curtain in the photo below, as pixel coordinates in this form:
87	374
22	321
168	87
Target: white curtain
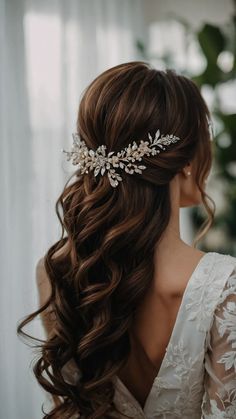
50	51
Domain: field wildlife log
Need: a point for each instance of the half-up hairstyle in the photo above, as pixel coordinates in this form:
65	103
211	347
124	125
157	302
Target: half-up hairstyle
109	235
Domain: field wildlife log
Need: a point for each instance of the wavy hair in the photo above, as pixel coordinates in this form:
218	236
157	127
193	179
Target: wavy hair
109	234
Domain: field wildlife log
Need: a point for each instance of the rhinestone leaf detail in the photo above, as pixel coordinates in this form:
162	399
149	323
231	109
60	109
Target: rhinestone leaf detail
97	160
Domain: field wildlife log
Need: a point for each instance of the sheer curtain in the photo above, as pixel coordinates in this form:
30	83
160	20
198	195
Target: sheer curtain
50	51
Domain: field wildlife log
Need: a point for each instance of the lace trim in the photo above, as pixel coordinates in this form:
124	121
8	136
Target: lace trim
225	320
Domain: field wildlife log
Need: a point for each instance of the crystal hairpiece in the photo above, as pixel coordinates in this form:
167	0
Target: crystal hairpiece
97	160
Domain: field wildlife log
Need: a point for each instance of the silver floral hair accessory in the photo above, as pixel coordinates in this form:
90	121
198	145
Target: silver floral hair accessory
97	160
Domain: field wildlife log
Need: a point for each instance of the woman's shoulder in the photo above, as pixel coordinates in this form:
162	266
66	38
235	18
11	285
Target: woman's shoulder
214	269
226	267
220	267
214	278
222	278
223	287
222	259
224	255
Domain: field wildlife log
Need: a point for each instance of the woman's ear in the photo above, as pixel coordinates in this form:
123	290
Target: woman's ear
187	170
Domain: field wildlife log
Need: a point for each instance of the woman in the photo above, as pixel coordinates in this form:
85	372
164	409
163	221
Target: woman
140	324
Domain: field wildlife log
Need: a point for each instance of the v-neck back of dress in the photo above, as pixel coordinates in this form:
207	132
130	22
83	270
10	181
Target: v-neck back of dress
172	341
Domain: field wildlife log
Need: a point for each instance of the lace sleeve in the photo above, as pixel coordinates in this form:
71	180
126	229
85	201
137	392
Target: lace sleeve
219	401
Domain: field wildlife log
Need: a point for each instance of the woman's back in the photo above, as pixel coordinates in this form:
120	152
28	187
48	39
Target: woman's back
155	318
172	384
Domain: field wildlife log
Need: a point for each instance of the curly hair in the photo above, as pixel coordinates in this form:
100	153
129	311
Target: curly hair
102	274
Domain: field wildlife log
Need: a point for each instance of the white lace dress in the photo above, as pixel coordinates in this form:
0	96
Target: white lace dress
197	378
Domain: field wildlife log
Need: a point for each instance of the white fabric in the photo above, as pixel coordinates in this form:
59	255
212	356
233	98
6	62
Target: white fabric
197	378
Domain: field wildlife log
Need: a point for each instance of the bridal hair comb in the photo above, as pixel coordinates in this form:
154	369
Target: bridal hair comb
97	160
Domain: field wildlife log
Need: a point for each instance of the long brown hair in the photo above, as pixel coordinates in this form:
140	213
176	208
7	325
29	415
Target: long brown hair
107	266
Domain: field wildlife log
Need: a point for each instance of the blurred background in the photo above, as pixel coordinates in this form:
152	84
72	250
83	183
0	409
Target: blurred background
50	51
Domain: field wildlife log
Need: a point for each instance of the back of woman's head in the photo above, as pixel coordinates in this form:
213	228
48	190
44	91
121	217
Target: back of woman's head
103	272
